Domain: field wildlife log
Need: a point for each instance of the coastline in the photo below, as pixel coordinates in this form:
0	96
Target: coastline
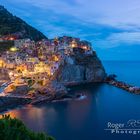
14	99
17	99
111	80
7	103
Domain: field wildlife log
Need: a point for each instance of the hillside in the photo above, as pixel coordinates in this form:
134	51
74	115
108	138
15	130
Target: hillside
10	24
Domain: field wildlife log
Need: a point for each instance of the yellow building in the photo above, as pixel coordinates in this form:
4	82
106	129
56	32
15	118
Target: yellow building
2	63
10	65
74	44
21	68
32	59
55	58
42	67
39	79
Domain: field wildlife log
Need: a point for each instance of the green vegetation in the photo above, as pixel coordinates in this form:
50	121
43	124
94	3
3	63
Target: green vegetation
10	24
14	129
6	45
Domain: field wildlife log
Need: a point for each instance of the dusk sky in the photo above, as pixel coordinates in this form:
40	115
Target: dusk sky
113	26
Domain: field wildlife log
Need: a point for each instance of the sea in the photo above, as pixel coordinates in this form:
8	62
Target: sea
104	113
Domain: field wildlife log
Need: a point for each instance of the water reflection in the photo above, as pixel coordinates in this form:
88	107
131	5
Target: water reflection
82	118
13	114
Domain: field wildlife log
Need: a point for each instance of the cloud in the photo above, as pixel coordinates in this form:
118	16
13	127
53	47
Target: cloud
117	39
116	13
125	37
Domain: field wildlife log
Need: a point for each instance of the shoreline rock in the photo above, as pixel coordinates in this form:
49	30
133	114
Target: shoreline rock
17	100
122	85
12	102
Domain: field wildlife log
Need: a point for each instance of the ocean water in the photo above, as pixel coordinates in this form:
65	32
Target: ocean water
87	119
128	71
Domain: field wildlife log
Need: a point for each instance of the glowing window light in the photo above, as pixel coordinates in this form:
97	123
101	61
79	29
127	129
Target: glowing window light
73	45
85	47
11	73
13	49
56	58
11	38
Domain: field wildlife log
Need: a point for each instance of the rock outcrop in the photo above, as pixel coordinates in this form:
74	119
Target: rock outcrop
12	102
81	68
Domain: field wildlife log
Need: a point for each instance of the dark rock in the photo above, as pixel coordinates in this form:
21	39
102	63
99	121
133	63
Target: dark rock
111	77
78	96
11	102
85	69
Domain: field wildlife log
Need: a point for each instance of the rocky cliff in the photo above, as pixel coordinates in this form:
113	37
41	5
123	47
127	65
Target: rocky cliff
81	68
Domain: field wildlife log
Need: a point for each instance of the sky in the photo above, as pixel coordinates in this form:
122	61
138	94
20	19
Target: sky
112	26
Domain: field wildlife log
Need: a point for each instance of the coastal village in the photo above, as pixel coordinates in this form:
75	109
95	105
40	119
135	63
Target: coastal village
31	68
34	64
